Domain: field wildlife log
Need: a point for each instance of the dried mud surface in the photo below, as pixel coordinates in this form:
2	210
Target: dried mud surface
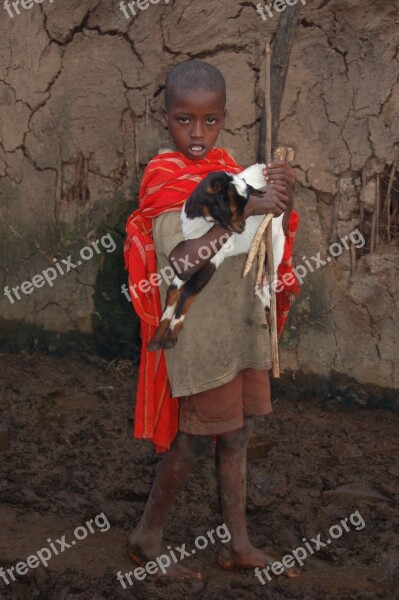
66	455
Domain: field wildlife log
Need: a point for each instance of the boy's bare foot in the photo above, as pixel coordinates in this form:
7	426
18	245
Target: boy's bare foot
170	569
250	558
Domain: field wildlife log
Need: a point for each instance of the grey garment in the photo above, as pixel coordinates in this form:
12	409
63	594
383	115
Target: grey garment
225	329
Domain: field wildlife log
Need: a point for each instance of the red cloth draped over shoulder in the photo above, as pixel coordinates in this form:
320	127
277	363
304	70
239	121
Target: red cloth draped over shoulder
288	286
168	181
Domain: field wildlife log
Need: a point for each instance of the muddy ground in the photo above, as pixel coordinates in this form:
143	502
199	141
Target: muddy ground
67	455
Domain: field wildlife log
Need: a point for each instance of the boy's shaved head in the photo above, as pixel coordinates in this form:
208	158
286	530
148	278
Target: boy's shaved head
192	75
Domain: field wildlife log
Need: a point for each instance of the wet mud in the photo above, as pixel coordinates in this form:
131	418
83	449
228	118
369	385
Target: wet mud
67	454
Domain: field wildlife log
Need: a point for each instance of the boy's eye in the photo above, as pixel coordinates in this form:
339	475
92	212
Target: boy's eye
211	120
183	119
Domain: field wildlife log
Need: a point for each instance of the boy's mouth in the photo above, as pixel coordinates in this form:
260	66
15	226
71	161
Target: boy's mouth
196	149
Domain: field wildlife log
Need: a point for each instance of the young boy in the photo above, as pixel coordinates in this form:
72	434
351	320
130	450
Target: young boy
215	381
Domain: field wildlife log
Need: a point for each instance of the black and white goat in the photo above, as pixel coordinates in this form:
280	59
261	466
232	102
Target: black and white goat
219	198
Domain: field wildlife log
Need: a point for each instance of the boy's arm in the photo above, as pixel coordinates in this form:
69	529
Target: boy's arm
188	256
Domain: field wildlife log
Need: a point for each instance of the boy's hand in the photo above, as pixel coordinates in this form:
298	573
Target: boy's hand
272	199
280	172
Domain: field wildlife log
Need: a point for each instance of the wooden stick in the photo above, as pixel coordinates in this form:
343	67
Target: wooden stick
361	206
268	157
387	203
374	222
282	44
269	228
255	244
260	246
377	212
261	263
353	258
268	105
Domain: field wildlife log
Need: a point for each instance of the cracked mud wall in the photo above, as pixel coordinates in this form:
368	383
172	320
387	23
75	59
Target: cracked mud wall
80	91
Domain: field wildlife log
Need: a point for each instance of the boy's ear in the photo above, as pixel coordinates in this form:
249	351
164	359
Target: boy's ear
224	117
164	117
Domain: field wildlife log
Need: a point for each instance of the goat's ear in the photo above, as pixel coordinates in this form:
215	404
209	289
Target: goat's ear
254	192
213	187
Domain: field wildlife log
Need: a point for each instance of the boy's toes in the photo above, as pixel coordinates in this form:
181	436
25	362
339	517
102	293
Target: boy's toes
292	572
171	571
179	571
252	558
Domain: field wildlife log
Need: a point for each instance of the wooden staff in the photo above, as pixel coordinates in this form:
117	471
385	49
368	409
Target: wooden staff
269	228
262	243
257	241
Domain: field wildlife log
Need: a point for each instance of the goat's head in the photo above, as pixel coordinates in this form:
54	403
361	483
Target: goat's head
221	197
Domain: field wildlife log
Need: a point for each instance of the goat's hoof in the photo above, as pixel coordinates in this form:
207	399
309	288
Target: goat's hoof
169	343
153	345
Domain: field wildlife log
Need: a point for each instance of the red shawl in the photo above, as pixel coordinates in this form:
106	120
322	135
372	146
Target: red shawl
168	181
287	281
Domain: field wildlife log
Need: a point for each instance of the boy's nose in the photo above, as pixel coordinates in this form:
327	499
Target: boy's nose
197	131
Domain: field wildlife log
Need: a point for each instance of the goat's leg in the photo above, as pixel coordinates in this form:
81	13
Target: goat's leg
189	292
172	298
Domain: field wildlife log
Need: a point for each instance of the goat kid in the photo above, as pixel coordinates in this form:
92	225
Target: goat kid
219	198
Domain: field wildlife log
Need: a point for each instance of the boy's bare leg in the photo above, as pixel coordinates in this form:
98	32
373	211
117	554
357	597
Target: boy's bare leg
231	466
174	467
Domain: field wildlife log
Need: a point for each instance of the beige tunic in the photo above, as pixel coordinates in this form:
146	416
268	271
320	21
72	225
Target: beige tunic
225	329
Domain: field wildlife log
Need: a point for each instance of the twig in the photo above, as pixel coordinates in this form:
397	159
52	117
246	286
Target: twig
361	205
377	212
353	258
255	244
334	228
387	203
268	105
372	240
261	262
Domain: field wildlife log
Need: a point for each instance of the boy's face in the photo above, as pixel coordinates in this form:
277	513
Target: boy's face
194	120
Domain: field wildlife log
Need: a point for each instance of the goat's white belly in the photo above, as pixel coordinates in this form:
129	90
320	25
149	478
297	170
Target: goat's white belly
194	228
